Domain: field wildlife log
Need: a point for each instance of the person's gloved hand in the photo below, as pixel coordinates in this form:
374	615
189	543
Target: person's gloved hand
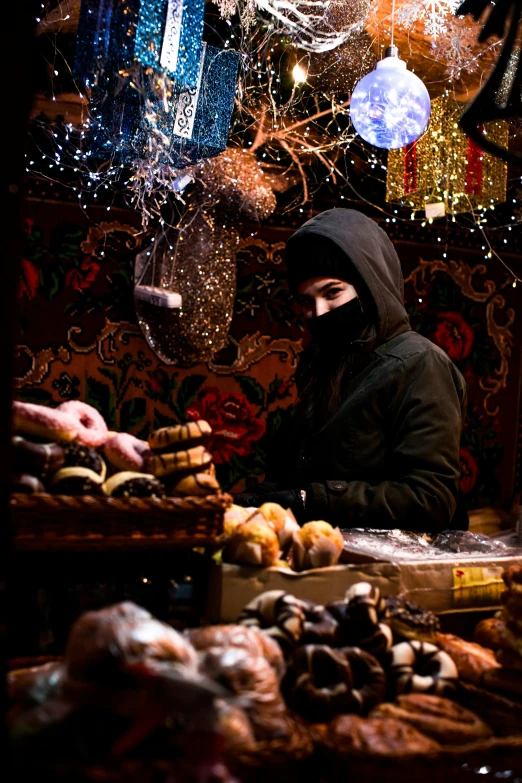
287	498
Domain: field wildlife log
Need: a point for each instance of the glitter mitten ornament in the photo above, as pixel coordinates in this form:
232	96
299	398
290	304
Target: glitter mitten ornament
197	265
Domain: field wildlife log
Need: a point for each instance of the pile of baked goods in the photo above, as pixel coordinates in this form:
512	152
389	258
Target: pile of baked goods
368	677
269	535
69	450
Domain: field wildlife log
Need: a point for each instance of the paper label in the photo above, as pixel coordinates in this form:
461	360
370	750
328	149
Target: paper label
481	585
170	47
187	106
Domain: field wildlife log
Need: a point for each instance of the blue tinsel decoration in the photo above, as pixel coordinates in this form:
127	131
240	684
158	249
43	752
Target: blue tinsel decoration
165	35
195	127
169	37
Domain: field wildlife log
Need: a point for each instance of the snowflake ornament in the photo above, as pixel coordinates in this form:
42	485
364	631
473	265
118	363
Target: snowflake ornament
434	12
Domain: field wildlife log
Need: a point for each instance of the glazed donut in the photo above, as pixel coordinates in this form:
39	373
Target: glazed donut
321	683
125	452
420	667
180	436
92	430
170	464
44	422
279	614
36	459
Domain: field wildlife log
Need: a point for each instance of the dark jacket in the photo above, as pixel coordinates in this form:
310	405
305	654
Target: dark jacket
389	458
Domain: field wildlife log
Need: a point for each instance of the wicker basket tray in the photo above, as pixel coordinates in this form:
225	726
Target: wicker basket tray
67	522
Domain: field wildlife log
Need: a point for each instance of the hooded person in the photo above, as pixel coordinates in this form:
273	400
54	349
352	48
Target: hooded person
376	433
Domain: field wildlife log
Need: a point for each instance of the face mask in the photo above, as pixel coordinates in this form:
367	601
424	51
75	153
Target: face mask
339	326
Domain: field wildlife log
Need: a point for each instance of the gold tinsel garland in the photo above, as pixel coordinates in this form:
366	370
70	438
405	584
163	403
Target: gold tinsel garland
442	167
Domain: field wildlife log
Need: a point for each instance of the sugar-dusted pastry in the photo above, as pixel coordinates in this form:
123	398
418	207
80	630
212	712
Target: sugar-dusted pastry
252	543
441	719
129	484
409	620
199	484
180	436
421	667
170	463
316	545
125	452
471	660
321	683
91	426
40	421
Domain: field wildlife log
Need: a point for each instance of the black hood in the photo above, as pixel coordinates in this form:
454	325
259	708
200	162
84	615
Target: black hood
372	254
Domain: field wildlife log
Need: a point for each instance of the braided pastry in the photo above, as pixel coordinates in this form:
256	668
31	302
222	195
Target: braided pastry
421	667
321	683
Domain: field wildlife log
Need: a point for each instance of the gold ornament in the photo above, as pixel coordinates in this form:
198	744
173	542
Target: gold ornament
235	181
444	167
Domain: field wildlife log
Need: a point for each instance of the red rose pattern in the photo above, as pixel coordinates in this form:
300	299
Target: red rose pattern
468	470
158	379
29	280
81	278
233	421
454	336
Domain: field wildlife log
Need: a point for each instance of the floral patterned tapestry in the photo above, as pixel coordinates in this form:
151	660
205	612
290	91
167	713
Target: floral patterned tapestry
79	339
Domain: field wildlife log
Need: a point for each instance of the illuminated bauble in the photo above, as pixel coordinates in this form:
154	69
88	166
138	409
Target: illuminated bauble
390	107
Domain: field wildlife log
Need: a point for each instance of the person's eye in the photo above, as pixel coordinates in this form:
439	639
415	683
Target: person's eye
332	293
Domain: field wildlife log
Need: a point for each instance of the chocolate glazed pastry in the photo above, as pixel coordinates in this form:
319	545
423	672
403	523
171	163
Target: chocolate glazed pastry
36	459
26	484
129	484
79	456
76	481
408	620
321	683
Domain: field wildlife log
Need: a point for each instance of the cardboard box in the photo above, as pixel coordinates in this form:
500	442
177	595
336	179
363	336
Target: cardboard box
231	587
463	584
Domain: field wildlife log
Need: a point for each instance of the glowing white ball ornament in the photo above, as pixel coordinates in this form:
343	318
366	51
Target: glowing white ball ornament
390	107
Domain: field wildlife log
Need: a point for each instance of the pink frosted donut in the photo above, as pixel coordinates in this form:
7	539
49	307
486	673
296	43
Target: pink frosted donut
43	422
92	430
125	452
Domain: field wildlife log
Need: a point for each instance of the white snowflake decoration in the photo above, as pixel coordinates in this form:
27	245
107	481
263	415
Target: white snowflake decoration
434	12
